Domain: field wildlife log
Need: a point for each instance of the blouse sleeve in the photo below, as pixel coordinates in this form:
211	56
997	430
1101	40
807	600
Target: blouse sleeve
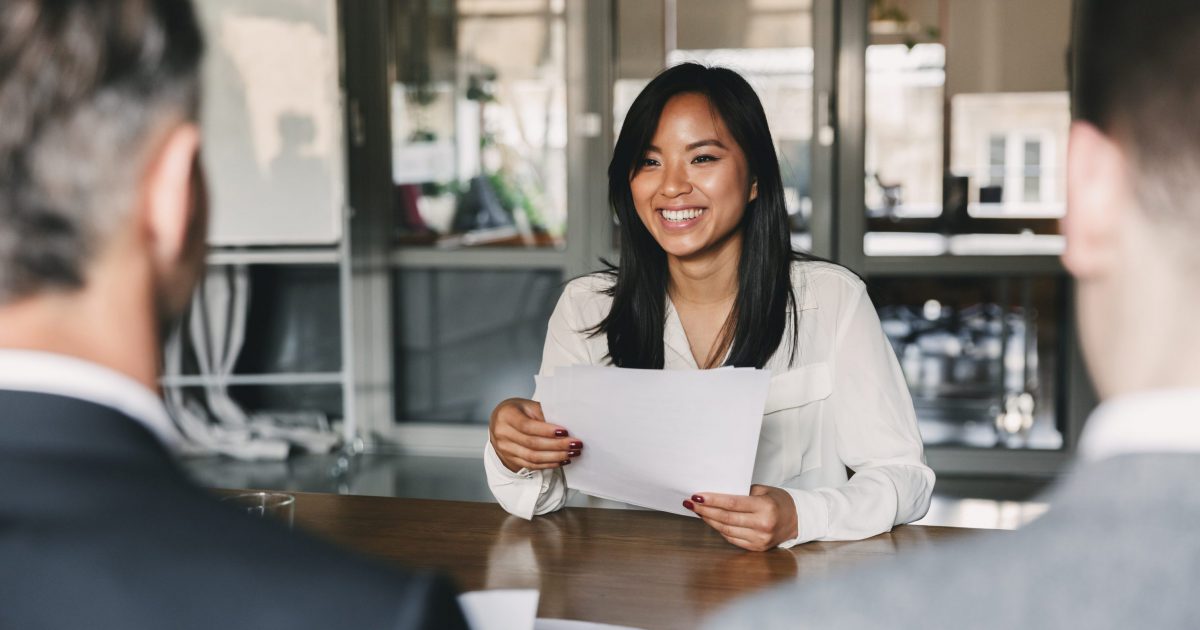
877	438
527	493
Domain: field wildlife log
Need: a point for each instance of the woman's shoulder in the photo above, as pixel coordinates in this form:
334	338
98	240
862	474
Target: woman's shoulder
593	284
817	281
589	294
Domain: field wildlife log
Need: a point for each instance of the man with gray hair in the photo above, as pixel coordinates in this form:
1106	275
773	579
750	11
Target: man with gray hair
1118	547
102	238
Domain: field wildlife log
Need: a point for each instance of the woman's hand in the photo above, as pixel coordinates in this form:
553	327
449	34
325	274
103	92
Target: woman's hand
523	439
758	522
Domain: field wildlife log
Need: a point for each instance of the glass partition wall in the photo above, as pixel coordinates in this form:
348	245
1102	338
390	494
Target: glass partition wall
923	144
477	95
964	120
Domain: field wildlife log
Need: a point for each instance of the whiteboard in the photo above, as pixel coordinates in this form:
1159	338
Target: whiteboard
272	119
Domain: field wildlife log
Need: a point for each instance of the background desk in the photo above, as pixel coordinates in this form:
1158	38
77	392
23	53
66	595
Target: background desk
643	569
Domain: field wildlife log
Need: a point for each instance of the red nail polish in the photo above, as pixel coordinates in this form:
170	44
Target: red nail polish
573	453
575	445
697	498
565	462
560	433
688	504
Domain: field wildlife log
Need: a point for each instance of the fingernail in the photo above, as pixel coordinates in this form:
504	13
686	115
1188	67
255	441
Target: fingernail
575	445
560	433
697	498
565	462
688	504
573	453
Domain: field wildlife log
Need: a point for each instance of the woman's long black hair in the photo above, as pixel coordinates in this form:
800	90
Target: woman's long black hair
634	326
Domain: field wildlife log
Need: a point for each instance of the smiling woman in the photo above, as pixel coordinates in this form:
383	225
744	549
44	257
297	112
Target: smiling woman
707	278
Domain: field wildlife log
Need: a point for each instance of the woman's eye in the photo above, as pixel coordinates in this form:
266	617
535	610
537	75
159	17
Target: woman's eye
645	162
700	159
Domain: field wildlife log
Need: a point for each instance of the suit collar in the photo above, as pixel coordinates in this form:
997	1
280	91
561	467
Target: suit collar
48	424
62	375
1163	421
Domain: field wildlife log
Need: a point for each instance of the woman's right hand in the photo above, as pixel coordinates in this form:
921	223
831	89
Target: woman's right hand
523	439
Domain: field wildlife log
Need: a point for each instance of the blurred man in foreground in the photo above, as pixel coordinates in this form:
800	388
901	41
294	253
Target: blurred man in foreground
1118	547
102	236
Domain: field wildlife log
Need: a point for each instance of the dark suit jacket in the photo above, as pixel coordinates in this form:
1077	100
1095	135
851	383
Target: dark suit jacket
100	529
1118	548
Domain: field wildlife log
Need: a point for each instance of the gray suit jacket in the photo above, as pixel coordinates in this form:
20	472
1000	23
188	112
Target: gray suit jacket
1118	548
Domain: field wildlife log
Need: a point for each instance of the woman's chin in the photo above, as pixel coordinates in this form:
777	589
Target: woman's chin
692	246
676	247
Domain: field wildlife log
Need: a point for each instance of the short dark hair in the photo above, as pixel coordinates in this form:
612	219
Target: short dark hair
765	301
1136	76
83	86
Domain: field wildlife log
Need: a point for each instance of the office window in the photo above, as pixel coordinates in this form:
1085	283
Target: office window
966	112
904	130
1033	171
997	159
479	127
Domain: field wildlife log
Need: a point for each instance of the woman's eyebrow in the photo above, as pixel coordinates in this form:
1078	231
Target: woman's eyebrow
710	142
713	142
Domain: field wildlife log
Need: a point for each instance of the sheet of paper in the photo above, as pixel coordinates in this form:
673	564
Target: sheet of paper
571	624
653	438
500	609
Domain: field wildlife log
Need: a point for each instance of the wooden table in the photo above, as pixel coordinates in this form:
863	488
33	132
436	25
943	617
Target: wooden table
626	567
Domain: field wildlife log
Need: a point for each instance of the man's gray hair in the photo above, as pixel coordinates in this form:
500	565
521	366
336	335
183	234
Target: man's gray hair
84	85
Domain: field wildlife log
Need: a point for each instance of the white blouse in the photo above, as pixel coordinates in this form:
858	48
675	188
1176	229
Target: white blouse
842	404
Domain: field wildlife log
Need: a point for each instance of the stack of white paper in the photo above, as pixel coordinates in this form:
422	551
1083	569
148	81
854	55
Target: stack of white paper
501	609
515	610
653	438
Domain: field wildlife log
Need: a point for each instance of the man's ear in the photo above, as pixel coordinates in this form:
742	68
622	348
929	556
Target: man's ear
169	195
1098	192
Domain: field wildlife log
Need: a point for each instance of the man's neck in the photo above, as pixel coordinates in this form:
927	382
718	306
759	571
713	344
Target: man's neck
1156	336
112	326
1167	360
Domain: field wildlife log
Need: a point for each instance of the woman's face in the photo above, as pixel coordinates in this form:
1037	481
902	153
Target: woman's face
693	183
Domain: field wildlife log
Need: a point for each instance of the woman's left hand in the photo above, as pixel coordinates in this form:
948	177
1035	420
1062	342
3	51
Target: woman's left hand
758	522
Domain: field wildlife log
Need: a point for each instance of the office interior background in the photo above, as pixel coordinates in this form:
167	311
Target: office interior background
402	187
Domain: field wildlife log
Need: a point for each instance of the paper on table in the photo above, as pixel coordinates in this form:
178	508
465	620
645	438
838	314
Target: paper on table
572	624
515	609
500	609
652	438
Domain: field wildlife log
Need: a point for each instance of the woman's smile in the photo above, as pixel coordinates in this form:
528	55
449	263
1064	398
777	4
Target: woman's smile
681	218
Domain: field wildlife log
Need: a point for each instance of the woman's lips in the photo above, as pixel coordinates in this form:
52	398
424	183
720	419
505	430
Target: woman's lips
681	218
